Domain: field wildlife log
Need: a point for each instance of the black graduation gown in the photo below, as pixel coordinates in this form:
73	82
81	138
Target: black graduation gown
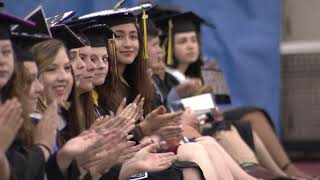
238	113
170	81
52	169
26	162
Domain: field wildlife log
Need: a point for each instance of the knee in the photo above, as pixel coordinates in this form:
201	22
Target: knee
207	140
253	116
190	150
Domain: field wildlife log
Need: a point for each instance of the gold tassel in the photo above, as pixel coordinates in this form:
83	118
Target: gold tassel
145	36
169	52
114	55
163	46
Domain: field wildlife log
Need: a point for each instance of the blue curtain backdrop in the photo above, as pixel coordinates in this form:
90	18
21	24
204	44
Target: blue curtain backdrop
245	41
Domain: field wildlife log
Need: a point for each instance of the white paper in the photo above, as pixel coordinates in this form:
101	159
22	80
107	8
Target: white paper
199	104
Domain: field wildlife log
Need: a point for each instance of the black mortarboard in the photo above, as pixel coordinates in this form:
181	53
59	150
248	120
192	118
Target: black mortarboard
24	38
118	19
160	10
41	30
58	19
78	25
183	22
118	16
152	29
22	54
7	20
65	34
98	34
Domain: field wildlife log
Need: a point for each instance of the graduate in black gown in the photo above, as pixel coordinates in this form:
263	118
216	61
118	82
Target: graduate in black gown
7	60
32	147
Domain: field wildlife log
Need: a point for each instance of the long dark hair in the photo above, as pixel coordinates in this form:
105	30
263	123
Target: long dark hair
87	105
108	99
194	69
111	93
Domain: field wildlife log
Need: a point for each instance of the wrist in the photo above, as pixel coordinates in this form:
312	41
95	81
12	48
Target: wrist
128	169
63	161
95	174
145	128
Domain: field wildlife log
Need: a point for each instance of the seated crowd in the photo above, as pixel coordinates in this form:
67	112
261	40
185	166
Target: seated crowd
91	97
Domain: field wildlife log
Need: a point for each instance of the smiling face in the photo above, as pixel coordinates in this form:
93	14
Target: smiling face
35	88
77	64
100	59
86	79
186	47
57	78
6	62
127	43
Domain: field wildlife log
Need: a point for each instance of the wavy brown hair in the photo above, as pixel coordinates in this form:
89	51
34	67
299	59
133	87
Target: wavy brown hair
44	54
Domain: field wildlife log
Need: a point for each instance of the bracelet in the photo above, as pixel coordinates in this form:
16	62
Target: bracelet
247	164
45	147
139	130
285	167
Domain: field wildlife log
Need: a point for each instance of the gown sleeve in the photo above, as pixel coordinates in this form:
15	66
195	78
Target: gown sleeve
26	162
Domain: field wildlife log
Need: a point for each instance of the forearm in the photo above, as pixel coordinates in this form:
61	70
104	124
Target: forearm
63	162
127	170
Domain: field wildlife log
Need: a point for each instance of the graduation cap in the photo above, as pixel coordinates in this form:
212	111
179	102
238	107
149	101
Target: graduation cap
152	28
24	38
160	10
183	22
122	15
58	19
110	17
119	16
40	32
7	20
65	34
77	26
22	54
98	34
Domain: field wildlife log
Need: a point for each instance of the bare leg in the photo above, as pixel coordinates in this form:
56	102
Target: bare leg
210	143
260	124
224	171
196	153
233	144
191	174
264	157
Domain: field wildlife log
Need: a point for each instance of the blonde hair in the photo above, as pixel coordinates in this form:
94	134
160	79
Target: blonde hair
44	53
